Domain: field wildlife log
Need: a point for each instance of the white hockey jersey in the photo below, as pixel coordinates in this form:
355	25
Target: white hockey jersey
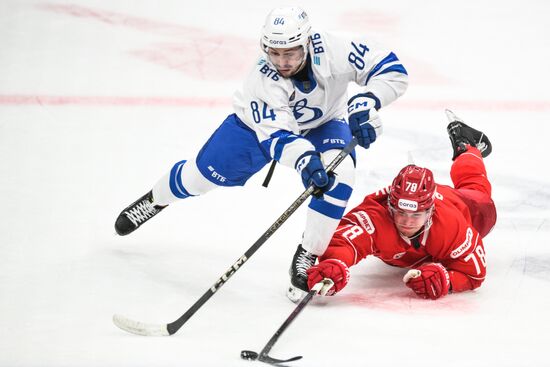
280	109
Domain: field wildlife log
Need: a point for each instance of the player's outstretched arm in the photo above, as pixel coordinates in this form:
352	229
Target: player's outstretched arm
333	269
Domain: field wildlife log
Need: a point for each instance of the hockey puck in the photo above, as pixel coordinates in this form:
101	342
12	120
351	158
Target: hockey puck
249	355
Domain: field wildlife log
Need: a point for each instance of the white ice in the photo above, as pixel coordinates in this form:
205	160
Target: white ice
99	98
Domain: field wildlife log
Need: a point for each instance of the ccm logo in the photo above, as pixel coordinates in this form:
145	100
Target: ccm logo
464	246
407	204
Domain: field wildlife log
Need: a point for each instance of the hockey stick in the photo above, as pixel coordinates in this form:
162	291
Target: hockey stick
321	288
140	328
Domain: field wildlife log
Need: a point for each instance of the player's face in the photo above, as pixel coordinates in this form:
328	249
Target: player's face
409	223
287	60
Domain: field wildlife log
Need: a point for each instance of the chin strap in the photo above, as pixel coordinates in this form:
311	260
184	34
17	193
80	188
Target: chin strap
304	60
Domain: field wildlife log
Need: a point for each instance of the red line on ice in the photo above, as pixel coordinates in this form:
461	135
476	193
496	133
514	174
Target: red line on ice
113	101
201	102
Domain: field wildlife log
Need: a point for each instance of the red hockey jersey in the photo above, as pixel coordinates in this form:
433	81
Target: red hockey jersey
450	239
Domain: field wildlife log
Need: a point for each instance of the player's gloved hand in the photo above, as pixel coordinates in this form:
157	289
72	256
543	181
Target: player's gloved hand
364	122
428	280
312	170
334	269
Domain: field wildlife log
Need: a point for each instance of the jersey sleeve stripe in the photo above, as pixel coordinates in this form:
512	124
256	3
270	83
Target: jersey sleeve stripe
397	68
388	59
391	58
277	143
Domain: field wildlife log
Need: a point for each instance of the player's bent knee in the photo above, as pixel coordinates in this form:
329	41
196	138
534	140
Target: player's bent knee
192	179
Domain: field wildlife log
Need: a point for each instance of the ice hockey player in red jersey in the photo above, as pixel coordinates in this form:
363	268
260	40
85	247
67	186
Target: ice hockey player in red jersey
435	230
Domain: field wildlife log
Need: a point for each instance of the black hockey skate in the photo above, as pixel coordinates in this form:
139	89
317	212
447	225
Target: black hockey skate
301	261
136	214
462	135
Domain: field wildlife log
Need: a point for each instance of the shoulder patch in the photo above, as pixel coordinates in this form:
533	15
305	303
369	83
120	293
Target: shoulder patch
465	246
364	221
267	71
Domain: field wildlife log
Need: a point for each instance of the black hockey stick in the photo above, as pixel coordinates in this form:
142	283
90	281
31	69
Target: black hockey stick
140	328
322	288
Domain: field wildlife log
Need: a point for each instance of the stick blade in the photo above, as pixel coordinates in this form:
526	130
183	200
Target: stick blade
451	116
140	328
275	361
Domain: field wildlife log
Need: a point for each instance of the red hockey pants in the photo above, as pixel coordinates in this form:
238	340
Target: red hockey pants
472	185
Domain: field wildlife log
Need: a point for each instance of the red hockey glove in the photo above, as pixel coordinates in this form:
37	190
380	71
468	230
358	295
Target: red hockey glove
334	269
428	281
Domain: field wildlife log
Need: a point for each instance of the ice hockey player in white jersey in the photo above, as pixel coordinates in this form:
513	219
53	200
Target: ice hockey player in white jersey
293	108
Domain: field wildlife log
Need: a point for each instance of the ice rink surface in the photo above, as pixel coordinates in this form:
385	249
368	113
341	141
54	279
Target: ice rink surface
98	99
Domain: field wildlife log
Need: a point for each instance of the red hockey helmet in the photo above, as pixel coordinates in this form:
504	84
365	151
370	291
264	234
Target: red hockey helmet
412	190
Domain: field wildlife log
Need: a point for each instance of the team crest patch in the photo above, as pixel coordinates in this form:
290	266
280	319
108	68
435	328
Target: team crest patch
363	219
399	255
464	246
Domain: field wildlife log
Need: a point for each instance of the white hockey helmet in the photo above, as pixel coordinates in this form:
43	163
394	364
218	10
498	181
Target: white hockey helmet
285	28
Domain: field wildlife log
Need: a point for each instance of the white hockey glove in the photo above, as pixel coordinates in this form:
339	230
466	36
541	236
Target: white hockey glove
364	122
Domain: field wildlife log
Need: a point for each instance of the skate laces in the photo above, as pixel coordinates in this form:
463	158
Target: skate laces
454	130
304	261
141	212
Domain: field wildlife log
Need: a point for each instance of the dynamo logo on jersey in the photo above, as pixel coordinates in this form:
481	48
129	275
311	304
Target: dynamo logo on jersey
304	113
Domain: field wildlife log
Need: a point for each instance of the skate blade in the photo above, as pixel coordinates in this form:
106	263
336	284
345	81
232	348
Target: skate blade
452	117
295	294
